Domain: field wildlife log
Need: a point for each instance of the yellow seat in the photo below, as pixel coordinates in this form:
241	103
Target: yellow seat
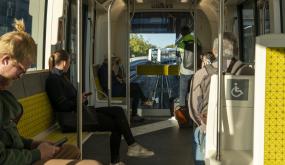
37	115
100	95
38	120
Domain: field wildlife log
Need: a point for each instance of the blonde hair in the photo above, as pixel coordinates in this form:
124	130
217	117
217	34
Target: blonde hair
18	44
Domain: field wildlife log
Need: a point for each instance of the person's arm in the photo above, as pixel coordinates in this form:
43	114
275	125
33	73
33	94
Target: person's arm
57	96
18	156
32	144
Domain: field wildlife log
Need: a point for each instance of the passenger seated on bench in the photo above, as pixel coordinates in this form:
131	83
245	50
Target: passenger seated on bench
200	89
17	52
63	94
119	86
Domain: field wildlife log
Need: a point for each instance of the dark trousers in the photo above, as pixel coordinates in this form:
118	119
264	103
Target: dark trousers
135	92
137	95
111	119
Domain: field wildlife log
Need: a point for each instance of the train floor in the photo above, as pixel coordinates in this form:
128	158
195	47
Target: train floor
171	144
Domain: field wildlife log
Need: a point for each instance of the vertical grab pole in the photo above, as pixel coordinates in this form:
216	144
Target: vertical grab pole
220	79
109	54
195	36
79	75
128	96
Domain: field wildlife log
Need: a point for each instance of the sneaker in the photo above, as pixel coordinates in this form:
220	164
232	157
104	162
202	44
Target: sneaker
119	163
137	150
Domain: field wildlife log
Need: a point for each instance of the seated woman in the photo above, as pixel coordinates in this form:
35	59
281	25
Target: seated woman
119	86
62	95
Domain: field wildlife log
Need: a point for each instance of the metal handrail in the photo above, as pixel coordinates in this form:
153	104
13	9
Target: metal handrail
220	79
195	36
109	54
79	75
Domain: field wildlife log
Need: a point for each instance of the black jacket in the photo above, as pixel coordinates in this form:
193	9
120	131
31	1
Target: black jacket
61	92
14	149
63	98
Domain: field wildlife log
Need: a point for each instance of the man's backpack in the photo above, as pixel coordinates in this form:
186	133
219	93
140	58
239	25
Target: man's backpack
205	87
201	115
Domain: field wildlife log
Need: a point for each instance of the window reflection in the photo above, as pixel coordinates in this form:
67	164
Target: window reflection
160	22
264	17
248	31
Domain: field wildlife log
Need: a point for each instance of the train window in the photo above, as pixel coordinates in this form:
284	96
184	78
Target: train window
263	17
247	30
160	22
33	13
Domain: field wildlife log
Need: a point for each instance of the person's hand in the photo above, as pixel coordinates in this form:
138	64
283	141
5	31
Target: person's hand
85	95
47	150
36	143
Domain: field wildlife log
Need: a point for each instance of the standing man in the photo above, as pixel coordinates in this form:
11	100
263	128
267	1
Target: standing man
184	43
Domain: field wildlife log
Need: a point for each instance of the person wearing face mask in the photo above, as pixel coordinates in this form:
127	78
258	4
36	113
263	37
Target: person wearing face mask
200	88
17	53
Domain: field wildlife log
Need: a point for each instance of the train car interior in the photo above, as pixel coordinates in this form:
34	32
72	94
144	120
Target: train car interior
98	31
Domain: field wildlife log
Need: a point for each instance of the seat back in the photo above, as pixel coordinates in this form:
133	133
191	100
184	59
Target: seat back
30	92
237	114
37	116
100	95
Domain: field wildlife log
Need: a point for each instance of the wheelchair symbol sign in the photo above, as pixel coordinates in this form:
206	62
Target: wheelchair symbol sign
237	89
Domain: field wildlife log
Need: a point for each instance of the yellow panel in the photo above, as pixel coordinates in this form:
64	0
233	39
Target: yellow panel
152	69
173	70
274	129
37	116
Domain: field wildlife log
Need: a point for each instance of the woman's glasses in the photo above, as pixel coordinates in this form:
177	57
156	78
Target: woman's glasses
20	68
